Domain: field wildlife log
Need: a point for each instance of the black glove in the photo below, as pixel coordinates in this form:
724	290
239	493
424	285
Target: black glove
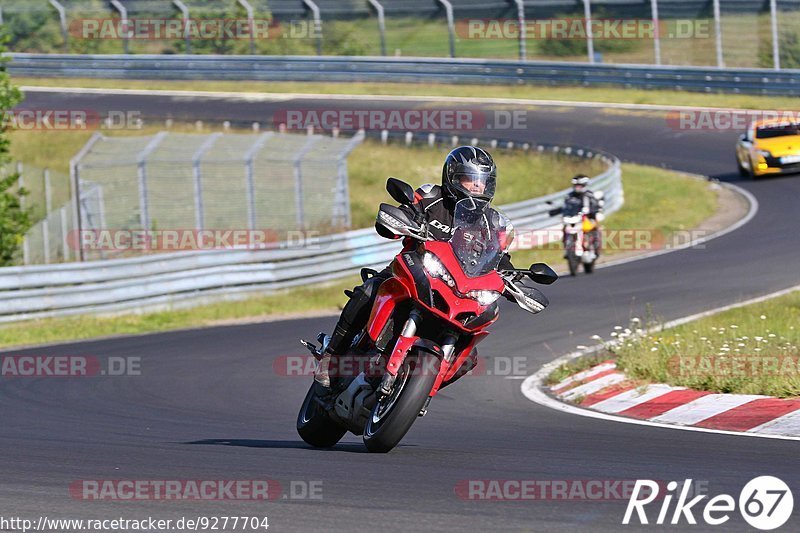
505	263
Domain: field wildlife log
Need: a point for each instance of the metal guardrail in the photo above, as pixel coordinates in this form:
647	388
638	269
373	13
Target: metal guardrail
181	278
380	69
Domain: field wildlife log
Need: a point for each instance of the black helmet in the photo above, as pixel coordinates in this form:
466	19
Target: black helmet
469	172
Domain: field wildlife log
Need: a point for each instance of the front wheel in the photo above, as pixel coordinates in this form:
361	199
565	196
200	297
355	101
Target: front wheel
314	425
393	415
588	267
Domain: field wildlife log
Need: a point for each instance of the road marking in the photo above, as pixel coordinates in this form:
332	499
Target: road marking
633	397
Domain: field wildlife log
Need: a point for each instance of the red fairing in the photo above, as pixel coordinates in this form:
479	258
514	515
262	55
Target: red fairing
391	292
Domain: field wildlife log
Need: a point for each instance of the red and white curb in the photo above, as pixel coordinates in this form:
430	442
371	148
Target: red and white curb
605	389
605	393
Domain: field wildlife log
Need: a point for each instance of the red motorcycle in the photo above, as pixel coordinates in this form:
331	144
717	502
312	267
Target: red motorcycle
424	324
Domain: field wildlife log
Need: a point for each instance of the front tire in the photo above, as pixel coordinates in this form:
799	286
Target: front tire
743	172
314	425
588	267
393	415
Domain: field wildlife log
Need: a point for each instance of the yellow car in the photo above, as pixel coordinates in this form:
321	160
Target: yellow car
769	147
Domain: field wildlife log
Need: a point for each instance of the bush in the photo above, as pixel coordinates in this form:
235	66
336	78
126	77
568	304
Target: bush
14	220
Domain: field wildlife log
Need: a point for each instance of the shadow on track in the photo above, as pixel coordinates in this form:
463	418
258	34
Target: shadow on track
352	447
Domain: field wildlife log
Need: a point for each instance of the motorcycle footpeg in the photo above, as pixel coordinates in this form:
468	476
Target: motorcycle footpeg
311	347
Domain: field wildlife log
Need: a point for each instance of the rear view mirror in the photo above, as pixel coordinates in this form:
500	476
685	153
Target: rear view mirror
400	191
541	273
599	195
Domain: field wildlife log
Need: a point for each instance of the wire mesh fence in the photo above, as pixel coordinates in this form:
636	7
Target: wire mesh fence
733	33
174	184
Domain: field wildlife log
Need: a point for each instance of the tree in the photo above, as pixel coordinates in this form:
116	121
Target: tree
14	219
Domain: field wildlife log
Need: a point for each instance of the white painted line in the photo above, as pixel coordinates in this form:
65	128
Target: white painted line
580	376
633	397
703	408
266	97
593	386
788	424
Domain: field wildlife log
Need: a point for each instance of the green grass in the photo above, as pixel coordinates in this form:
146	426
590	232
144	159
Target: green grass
656	200
536	92
573	367
748	350
318	298
521	175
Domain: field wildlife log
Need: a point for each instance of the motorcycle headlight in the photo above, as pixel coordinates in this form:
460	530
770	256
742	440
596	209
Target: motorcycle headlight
484	297
765	153
436	269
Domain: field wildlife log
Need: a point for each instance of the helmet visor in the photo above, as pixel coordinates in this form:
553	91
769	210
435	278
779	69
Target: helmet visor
475	183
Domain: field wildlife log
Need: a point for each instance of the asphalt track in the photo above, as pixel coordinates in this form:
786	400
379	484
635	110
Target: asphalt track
209	404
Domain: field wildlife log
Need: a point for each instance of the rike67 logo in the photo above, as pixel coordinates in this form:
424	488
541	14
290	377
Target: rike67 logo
765	503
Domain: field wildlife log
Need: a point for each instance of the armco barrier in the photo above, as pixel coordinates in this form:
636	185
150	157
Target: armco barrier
381	69
181	278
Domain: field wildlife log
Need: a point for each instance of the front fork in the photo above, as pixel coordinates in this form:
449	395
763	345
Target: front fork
404	343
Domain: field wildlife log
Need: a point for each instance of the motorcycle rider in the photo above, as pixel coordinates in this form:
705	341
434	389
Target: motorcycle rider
468	172
589	205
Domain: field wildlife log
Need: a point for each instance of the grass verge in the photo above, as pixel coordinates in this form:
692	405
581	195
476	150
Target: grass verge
753	349
535	92
314	298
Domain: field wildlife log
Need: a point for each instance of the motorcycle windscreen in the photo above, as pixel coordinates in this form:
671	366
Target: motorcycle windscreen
482	235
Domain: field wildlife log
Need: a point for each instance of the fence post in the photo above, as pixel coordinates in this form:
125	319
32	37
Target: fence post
251	19
451	25
522	35
718	34
75	183
656	31
381	24
587	14
185	12
62	17
144	208
249	177
48	207
199	213
317	23
123	13
64	233
776	52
